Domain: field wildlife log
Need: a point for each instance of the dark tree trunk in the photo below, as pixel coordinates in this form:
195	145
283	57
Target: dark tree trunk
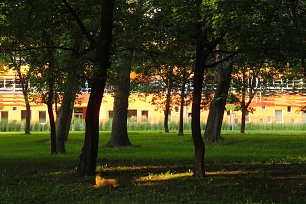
89	154
68	123
181	122
243	114
52	127
217	106
119	136
51	82
198	142
167	111
71	88
27	129
64	120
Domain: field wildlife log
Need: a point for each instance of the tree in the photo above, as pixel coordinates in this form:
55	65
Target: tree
24	78
217	106
125	42
101	63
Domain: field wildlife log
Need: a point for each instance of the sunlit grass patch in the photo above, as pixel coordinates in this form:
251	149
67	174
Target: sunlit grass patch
165	176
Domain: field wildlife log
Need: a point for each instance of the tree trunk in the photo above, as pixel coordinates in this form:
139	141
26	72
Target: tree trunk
89	154
119	136
216	111
198	142
167	111
27	129
181	122
71	88
52	127
243	114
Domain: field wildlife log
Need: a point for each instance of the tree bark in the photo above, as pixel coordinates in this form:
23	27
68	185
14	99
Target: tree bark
167	111
89	154
119	135
198	142
199	170
243	114
216	111
27	129
71	88
181	122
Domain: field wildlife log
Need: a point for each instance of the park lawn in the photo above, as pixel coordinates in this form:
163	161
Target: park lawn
258	167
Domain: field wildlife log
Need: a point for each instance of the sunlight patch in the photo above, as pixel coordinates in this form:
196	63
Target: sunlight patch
164	176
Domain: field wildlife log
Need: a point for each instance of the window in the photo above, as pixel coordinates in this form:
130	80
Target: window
144	115
110	114
278	116
78	113
42	116
132	115
261	121
247	117
24	114
177	109
228	113
4	116
269	119
289	109
14	108
303	117
263	108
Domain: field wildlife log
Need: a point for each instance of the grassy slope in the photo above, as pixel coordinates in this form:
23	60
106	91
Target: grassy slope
254	168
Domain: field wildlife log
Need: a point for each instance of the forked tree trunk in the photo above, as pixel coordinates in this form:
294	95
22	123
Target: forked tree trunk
89	154
119	136
71	88
217	106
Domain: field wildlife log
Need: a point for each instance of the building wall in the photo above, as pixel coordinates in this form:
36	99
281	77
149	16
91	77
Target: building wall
267	110
284	107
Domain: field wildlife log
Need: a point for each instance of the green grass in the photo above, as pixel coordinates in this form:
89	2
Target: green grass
258	167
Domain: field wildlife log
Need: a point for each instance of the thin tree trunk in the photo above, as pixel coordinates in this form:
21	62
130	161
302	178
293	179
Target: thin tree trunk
52	127
217	107
167	111
243	114
181	122
27	129
119	136
89	154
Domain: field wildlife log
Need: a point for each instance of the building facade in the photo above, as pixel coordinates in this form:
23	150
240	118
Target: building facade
281	108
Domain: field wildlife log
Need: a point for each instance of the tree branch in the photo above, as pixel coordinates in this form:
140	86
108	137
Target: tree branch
221	61
79	22
3	49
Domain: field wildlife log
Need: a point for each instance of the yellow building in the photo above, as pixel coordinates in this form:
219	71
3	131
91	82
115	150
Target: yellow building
280	108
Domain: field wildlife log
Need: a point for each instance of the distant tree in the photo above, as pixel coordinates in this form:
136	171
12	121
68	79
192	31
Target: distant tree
24	73
217	106
128	19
